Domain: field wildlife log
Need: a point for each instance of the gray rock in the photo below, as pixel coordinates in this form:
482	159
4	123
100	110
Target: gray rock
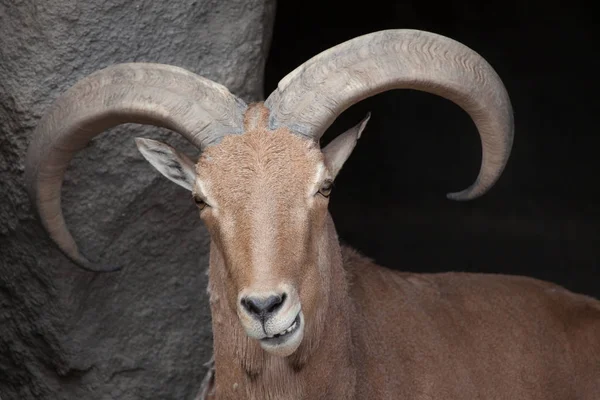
144	332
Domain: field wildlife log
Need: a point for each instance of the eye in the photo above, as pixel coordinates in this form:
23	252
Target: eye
200	202
325	189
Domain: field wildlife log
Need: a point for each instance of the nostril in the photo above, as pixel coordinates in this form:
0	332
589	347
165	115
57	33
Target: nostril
248	305
276	303
262	306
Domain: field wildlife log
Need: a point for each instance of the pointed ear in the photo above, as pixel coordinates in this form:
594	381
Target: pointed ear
339	149
172	164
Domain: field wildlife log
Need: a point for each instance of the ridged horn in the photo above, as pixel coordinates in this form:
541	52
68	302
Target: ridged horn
311	97
200	110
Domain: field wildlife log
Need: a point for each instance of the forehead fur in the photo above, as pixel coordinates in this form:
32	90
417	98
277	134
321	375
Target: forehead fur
260	161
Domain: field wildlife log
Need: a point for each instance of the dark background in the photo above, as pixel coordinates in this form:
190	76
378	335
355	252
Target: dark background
542	218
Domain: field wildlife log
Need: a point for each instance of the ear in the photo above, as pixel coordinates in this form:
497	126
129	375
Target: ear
172	164
339	149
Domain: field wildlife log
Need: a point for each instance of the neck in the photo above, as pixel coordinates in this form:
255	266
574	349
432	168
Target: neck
322	367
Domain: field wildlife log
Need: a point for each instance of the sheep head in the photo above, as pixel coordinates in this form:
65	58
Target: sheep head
263	196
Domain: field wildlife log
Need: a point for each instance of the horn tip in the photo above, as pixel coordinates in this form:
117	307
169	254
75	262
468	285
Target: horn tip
464	195
89	266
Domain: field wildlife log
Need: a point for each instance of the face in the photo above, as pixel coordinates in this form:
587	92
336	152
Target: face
263	196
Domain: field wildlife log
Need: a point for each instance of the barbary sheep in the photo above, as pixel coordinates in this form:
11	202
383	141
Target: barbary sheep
295	315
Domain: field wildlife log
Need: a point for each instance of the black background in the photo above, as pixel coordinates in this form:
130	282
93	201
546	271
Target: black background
541	219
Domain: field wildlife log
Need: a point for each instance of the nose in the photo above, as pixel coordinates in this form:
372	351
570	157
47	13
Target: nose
262	307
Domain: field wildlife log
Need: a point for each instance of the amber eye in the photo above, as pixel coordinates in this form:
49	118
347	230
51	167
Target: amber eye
325	190
199	202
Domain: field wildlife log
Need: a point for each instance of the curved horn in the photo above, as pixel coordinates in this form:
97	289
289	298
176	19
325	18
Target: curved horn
311	97
200	110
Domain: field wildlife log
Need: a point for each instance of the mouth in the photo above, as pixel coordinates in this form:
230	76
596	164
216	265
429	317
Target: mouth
283	336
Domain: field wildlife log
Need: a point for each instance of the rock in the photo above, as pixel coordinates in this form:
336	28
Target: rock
143	332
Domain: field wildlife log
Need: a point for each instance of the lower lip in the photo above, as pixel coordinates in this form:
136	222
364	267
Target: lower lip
274	341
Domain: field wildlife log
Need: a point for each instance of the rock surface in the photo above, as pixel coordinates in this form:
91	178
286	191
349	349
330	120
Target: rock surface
143	332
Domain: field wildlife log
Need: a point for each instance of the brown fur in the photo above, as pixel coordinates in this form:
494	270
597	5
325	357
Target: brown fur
372	333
